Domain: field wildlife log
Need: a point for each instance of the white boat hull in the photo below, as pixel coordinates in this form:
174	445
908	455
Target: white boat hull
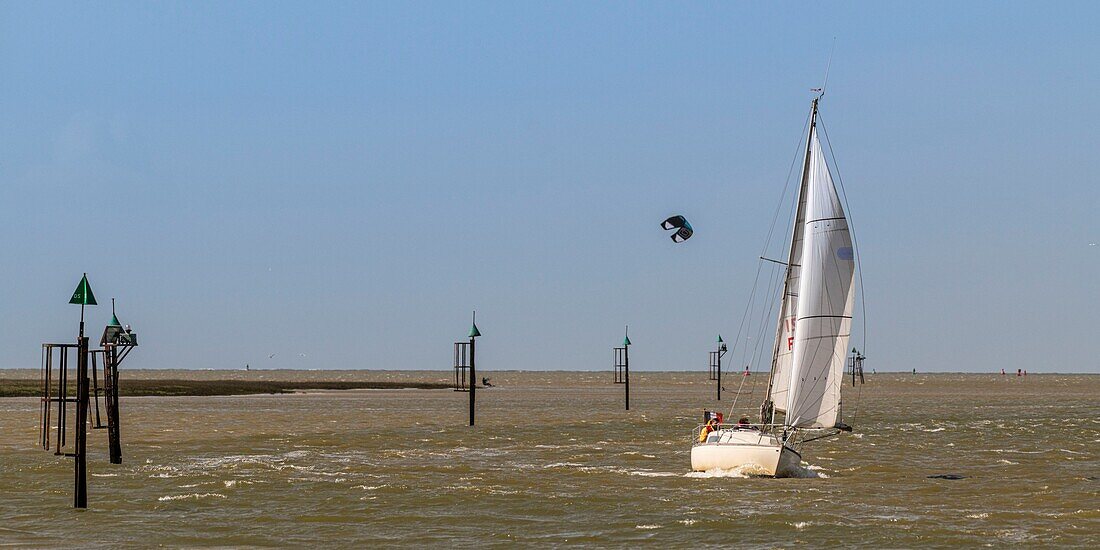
749	450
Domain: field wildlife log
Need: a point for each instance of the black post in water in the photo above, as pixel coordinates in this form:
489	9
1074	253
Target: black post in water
855	365
622	366
626	366
718	363
117	342
474	333
719	367
110	372
83	296
473	381
80	498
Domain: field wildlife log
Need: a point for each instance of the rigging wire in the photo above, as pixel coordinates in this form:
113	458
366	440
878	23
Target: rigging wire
774	288
768	238
765	314
859	256
763	253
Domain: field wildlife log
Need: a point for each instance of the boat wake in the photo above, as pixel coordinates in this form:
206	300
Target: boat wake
745	471
807	471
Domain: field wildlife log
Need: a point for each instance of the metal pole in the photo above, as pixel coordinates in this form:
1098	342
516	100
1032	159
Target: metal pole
854	360
110	374
473	380
626	368
62	396
719	368
80	499
95	387
46	401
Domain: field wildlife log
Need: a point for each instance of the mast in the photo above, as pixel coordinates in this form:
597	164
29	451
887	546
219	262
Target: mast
767	408
824	304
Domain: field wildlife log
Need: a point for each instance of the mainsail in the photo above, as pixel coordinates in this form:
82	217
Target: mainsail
824	300
788	310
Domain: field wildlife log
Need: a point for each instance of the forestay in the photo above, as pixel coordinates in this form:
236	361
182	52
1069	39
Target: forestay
824	302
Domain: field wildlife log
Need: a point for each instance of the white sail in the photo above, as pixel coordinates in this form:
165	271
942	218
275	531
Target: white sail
825	297
788	311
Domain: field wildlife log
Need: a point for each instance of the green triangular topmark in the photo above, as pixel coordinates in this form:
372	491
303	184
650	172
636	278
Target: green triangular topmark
626	340
720	340
474	332
114	321
83	293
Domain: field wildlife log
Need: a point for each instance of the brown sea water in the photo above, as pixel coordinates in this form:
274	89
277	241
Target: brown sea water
554	460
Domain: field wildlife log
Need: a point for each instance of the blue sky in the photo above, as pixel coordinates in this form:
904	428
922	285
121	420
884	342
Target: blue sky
340	184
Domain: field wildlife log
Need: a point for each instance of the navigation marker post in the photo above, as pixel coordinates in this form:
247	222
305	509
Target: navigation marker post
465	366
117	342
716	364
622	365
83	296
855	366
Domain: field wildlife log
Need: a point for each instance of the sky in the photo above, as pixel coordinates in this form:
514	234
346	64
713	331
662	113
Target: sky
338	185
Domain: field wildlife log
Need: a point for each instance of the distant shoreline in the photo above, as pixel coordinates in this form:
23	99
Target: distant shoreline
224	382
21	372
10	387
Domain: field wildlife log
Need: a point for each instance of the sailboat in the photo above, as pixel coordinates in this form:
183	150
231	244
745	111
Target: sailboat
811	341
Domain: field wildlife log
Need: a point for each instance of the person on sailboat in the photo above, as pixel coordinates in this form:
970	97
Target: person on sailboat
710	426
743	424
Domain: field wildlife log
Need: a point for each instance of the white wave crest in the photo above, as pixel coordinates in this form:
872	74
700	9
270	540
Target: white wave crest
190	495
646	473
563	465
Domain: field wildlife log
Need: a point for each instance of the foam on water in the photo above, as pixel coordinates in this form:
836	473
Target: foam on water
745	471
809	471
191	496
564	465
647	473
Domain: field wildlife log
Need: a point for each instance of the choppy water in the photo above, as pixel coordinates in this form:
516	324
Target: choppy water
554	460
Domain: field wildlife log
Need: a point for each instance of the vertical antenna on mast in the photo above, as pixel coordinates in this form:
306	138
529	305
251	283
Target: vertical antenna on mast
828	66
